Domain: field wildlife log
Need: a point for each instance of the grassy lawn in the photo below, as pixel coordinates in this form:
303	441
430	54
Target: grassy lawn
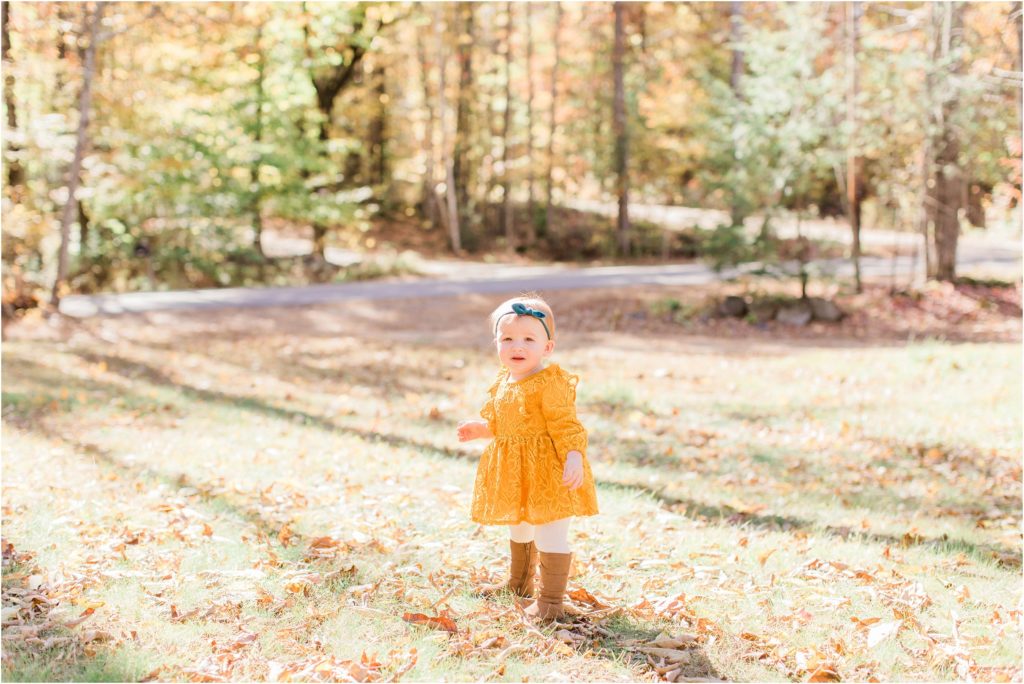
265	496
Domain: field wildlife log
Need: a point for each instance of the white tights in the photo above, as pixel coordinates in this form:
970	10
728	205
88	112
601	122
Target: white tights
552	537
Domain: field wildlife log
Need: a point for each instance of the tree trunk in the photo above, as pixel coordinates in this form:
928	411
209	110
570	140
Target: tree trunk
531	228
319	241
91	23
452	213
1014	141
378	128
15	175
945	191
506	185
254	171
975	204
331	81
489	12
1018	58
462	169
552	120
735	36
621	133
737	212
83	226
925	199
853	195
63	18
429	193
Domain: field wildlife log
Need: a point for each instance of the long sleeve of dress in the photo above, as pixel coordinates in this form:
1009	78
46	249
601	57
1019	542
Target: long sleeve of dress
558	405
519	476
487	412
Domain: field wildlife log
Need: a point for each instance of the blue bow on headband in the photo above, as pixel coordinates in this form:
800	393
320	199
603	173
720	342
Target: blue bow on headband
520	309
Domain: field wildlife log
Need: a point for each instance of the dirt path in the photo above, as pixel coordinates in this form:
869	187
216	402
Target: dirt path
460	278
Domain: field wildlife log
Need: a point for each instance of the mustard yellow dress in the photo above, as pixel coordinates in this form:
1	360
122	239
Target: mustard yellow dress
519	477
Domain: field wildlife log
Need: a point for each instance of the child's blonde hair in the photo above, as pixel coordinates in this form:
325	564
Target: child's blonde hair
530	299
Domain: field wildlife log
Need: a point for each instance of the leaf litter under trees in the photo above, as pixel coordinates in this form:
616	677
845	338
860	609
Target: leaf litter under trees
294	506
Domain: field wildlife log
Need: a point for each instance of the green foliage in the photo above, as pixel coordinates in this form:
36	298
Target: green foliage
772	145
726	245
672	309
210	133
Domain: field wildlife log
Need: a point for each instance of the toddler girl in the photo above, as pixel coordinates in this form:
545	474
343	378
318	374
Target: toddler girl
534	475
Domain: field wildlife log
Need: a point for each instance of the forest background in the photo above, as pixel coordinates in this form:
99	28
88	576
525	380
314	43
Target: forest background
276	492
156	146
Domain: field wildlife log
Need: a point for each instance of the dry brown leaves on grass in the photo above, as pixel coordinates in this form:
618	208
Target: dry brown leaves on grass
959	313
493	633
41	612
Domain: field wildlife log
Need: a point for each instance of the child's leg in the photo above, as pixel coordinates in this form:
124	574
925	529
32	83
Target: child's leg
522	561
553	537
552	541
523	533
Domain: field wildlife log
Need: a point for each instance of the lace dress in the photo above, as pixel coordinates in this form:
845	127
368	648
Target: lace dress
519	477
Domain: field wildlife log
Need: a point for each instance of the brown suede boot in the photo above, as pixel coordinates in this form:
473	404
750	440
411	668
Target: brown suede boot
554	575
521	571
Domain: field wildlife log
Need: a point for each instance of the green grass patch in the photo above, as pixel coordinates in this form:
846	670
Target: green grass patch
231	507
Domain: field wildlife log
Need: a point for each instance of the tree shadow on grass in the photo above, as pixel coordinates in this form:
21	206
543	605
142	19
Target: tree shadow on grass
120	664
694	509
620	637
135	369
688	507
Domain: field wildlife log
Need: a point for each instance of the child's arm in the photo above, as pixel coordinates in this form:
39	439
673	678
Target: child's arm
474	429
558	404
482	429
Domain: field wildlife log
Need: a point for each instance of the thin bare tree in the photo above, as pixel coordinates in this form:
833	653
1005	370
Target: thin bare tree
506	184
466	29
945	193
621	132
15	174
552	121
531	229
429	192
451	213
254	171
853	193
737	210
90	32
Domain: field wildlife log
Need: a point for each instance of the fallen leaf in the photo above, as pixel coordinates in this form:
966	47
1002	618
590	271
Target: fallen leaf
824	674
671	654
86	614
566	636
584	596
436	622
882	631
323	543
665	641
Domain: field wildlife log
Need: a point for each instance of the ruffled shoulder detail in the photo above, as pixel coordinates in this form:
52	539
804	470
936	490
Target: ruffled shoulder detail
559	383
498	379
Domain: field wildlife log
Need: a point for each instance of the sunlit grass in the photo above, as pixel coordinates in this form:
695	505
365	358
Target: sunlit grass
721	478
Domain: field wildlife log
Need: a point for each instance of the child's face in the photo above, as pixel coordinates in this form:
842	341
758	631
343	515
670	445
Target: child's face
522	343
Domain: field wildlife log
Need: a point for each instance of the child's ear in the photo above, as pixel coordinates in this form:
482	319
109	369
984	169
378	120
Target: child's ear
549	347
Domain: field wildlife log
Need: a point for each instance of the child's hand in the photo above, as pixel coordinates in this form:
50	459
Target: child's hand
572	474
473	429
